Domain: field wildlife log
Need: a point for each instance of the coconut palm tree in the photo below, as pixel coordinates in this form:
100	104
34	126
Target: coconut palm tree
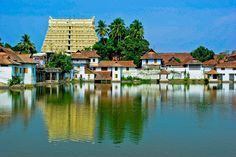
102	29
136	30
25	45
117	30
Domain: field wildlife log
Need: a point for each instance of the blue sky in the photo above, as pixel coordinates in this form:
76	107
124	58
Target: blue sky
170	25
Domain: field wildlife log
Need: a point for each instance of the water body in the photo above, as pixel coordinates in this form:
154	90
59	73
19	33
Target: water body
119	120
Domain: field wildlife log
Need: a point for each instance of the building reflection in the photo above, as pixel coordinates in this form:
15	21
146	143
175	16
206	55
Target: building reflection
100	112
16	104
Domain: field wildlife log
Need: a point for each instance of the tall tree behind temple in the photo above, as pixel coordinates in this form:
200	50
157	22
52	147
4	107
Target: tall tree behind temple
102	30
25	45
125	43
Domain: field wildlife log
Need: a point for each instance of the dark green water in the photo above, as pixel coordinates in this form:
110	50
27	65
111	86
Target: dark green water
114	120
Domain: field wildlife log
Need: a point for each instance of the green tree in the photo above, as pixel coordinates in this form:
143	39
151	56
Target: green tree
117	30
25	45
102	29
202	54
136	30
61	61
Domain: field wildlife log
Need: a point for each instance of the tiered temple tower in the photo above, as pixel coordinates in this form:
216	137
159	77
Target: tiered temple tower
69	35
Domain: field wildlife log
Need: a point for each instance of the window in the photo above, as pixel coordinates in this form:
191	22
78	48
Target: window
155	61
69	32
234	68
69	36
146	61
116	75
127	68
68	47
68	41
93	60
16	70
222	68
116	68
104	68
25	70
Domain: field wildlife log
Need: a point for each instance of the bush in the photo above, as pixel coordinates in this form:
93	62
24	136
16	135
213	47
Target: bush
14	81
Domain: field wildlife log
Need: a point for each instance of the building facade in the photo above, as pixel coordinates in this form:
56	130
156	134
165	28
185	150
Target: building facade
69	35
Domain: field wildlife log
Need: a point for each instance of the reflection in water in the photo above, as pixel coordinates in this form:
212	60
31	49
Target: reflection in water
99	112
16	104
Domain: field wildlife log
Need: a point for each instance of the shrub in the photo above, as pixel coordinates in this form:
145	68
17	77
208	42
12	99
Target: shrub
14	81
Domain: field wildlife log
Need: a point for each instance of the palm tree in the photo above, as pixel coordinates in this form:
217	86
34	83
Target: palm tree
102	29
136	30
117	30
25	45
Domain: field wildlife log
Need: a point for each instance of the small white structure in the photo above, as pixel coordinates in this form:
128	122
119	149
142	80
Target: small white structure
151	60
82	60
13	64
112	70
227	71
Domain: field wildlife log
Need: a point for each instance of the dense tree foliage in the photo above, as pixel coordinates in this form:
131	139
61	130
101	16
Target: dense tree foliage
24	46
61	61
117	40
202	54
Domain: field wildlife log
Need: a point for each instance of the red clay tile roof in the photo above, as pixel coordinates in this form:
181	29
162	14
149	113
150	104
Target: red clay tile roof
16	57
212	62
78	55
91	54
85	55
173	62
193	61
182	56
26	58
116	64
6	60
212	72
231	64
151	54
103	75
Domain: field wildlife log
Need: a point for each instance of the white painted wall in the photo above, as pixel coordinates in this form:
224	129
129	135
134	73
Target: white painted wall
30	77
151	62
226	73
5	74
116	74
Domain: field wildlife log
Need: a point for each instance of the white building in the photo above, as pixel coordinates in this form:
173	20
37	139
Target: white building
226	71
112	70
13	64
82	60
151	60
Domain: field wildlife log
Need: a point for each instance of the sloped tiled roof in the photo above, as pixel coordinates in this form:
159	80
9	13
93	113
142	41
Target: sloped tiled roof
78	55
212	72
193	61
16	57
151	54
210	62
231	64
26	58
115	64
182	56
6	60
91	54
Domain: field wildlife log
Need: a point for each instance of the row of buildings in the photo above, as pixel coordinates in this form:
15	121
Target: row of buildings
87	66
